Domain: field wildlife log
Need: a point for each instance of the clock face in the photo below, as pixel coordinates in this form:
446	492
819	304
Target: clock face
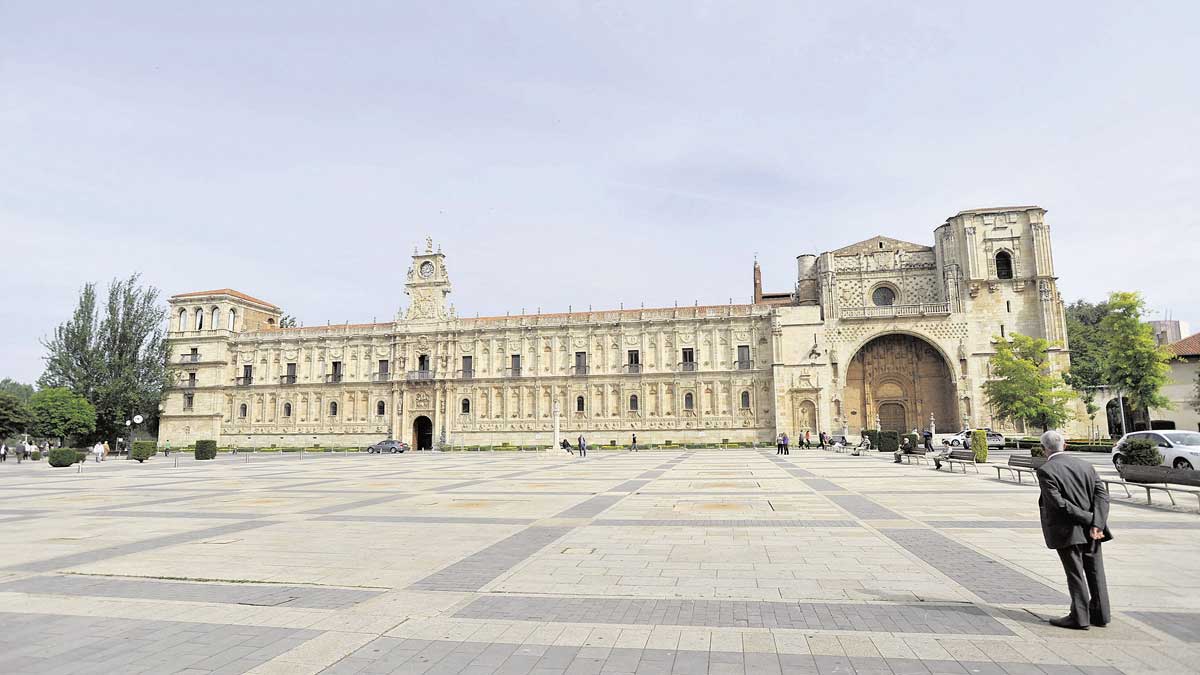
426	269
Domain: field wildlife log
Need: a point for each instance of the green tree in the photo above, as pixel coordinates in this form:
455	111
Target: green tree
287	321
1196	393
59	413
115	356
14	415
20	390
1088	368
1133	360
1023	386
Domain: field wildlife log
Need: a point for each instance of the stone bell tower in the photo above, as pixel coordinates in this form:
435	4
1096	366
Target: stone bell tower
428	285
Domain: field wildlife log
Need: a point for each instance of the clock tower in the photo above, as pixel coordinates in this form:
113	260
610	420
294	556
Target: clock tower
428	285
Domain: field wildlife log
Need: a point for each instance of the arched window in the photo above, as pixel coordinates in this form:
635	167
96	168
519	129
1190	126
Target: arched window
578	404
232	319
689	401
242	410
883	296
287	409
380	408
633	403
216	319
745	399
466	406
333	408
1004	266
199	319
183	319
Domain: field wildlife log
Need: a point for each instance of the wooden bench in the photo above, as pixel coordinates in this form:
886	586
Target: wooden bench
1019	464
963	457
1142	476
917	454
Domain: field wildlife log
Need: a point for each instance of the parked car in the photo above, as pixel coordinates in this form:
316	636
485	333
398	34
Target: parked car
995	438
388	446
1179	449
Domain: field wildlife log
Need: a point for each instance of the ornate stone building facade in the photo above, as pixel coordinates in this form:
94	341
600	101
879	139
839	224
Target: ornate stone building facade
883	333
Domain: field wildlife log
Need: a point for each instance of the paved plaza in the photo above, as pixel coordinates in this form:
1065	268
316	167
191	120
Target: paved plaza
698	561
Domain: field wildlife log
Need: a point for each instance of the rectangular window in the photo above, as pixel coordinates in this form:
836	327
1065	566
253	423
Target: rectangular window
290	377
635	361
581	366
191	380
383	366
516	365
1002	331
1008	306
689	355
423	362
743	359
468	366
336	375
247	375
188	399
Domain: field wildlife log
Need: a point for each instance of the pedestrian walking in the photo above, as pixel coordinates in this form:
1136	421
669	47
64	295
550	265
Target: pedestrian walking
1073	509
104	455
3	451
98	451
634	447
779	444
821	439
807	439
928	436
582	446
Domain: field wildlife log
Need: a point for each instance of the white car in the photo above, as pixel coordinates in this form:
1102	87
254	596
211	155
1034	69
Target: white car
1180	449
995	439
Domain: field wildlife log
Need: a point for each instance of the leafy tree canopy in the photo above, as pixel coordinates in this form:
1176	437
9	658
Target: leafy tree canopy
114	356
14	415
1023	386
1088	352
19	389
1133	360
60	413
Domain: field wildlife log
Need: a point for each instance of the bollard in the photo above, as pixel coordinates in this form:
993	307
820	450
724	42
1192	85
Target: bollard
177	460
301	453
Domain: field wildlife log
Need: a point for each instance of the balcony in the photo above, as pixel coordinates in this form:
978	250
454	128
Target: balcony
688	366
579	370
420	376
381	377
743	365
189	358
187	384
244	381
633	368
894	311
333	378
467	374
287	379
513	372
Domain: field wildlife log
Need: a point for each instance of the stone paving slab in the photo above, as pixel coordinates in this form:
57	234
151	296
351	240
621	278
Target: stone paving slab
878	617
475	571
1183	625
311	597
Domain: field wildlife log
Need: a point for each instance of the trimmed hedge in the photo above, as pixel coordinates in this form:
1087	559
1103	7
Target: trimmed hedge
61	457
979	445
1141	452
873	436
143	450
36	455
206	449
889	441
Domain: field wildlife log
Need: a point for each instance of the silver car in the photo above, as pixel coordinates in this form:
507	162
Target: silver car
1179	449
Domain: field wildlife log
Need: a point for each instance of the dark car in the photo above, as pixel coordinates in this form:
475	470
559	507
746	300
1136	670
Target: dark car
388	446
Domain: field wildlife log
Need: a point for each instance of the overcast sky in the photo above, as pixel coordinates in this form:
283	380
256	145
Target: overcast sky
576	153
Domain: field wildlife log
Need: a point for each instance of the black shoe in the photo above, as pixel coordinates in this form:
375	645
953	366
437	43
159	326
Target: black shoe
1067	622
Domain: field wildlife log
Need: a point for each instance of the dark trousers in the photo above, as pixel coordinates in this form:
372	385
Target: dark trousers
785	449
1086	583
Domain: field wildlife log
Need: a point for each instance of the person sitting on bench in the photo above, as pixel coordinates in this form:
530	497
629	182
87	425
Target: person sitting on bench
905	448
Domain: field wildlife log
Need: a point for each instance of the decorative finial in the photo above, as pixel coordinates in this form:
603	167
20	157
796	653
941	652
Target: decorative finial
429	244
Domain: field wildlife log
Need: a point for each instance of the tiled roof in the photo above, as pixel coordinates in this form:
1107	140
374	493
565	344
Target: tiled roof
1188	346
225	291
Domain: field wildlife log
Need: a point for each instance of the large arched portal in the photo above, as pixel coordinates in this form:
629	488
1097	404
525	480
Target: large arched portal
898	381
422	433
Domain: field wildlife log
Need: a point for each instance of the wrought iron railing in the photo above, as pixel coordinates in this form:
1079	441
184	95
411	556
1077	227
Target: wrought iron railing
893	311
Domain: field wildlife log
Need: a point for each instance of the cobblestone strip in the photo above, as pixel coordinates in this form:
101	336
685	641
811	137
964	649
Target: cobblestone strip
1036	525
630	486
477	570
697	522
1182	625
822	485
872	617
48	643
84	557
988	578
268	595
591	507
861	507
349	506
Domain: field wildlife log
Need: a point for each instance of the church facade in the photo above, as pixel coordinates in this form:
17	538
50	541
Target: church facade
880	334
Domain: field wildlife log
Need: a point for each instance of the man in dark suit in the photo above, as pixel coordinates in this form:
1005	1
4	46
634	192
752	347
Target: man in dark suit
1074	511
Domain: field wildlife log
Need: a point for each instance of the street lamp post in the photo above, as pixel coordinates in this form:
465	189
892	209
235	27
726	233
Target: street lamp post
131	425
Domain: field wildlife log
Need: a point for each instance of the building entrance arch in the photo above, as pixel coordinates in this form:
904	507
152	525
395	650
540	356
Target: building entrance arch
422	433
896	381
